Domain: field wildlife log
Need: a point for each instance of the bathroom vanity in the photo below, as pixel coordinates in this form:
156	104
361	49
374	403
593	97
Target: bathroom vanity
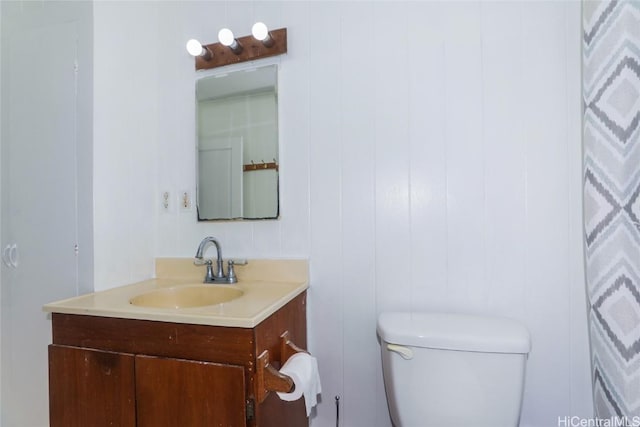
192	366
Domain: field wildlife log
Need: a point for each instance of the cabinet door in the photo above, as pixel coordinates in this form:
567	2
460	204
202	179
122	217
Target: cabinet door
91	388
39	208
186	393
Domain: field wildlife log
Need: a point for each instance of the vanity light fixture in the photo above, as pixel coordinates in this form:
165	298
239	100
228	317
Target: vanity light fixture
229	50
195	48
226	38
261	33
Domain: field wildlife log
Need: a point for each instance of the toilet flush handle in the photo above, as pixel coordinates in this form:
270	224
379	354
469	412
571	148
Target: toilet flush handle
405	352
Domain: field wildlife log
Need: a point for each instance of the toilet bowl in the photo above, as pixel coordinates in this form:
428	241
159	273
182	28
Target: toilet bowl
454	370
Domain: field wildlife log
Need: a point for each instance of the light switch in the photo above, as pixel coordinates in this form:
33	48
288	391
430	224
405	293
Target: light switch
185	200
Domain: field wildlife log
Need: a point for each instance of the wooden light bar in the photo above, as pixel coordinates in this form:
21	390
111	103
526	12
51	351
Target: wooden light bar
252	49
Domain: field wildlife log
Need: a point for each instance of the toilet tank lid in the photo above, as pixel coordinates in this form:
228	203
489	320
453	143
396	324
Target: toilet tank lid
450	331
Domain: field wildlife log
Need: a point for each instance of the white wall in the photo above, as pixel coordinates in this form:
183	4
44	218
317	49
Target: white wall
2	379
430	158
125	140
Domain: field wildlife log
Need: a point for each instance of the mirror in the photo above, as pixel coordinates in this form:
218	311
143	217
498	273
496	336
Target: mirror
237	145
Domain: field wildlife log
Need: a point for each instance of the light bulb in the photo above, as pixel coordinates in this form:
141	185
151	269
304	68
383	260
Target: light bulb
194	47
260	31
225	36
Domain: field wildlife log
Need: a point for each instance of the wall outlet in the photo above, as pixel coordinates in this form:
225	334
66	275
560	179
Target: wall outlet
165	201
185	201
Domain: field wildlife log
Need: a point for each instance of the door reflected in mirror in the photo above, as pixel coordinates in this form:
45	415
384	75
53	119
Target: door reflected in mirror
237	145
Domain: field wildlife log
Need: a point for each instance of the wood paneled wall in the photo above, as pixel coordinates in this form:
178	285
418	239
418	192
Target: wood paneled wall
430	159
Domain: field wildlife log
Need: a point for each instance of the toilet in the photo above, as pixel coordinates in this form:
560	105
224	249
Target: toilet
453	370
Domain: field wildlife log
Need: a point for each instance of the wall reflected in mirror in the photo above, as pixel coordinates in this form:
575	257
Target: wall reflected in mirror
237	145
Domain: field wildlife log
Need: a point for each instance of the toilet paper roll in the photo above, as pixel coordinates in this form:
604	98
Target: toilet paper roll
303	370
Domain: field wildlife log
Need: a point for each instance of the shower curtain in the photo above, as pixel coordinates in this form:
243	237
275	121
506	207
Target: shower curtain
611	138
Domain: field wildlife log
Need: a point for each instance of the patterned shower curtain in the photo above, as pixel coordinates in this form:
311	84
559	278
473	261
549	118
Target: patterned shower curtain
611	138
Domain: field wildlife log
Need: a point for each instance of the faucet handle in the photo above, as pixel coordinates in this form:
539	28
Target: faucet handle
210	275
231	272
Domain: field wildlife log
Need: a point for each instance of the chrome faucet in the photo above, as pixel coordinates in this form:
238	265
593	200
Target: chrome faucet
218	275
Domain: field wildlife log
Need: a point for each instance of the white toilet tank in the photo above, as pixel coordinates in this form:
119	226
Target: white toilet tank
454	370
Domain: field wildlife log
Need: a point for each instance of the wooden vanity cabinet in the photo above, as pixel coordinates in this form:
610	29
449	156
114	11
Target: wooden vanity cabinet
107	371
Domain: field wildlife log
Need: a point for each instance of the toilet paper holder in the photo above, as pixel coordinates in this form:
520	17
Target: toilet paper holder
269	378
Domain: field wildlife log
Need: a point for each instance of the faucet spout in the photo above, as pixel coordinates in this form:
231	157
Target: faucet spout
211	276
